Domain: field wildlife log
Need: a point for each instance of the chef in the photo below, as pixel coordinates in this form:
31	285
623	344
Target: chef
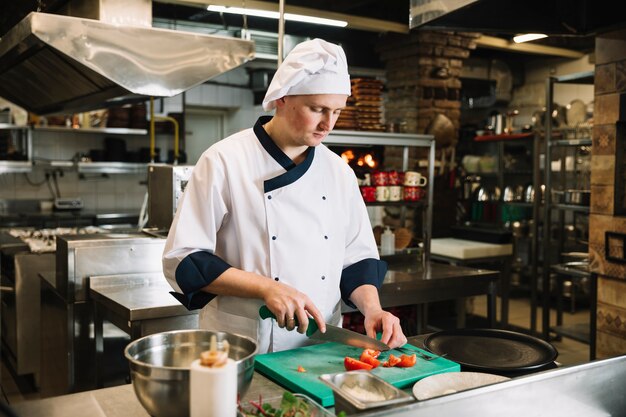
272	216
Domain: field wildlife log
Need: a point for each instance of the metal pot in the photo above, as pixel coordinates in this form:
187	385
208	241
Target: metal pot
159	367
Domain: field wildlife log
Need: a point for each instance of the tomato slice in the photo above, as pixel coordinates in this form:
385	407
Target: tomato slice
352	364
372	352
407	361
301	368
367	357
392	361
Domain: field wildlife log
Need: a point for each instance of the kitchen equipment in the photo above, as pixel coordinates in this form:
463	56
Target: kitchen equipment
361	391
492	350
74	60
166	184
159	366
577	197
442	128
334	334
327	358
509	194
453	382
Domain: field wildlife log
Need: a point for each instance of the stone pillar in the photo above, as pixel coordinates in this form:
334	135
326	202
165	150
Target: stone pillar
608	174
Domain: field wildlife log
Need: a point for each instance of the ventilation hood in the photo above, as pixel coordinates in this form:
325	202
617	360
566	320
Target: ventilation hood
553	17
52	63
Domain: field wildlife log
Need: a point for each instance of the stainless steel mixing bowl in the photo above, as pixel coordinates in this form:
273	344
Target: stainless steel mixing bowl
159	367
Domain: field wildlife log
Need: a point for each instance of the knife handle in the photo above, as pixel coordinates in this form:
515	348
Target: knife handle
265	313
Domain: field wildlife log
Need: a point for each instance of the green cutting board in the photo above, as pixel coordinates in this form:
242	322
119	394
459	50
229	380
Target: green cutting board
327	358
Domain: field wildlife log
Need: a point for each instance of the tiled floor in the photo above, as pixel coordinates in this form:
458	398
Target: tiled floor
570	352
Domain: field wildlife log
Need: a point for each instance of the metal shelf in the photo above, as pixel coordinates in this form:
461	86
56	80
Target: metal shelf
364	138
571	270
97	167
570	207
105	130
571	142
15	166
112	168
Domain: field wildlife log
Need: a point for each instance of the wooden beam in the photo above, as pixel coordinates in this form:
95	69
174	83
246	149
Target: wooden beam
491	42
354	22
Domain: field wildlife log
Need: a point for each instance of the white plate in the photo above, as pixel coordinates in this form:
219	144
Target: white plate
452	382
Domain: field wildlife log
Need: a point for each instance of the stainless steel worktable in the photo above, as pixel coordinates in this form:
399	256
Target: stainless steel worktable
590	389
410	283
139	304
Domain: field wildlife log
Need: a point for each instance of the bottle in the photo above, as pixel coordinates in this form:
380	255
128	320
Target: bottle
213	384
387	242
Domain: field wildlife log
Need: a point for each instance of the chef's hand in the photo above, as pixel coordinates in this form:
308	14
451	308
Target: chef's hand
389	324
290	306
366	299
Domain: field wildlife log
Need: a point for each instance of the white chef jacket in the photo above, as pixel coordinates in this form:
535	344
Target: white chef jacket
247	205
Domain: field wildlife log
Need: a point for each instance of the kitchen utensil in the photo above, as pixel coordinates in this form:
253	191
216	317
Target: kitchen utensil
159	366
492	350
453	382
334	334
442	128
360	391
328	358
577	197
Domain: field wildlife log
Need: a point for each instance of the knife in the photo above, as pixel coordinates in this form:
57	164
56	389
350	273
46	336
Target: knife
334	334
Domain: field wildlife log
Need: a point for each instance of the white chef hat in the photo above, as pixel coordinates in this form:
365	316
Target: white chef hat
312	67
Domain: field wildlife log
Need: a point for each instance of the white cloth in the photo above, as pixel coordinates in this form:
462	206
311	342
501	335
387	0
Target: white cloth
319	221
312	67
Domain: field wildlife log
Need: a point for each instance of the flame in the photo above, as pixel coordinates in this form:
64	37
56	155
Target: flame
367	159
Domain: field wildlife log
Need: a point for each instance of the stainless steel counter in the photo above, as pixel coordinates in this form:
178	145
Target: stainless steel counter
591	389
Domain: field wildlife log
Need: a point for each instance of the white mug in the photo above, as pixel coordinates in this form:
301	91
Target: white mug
382	193
395	193
414	179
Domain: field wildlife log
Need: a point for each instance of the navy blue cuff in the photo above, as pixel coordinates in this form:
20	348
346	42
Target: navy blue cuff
195	272
367	271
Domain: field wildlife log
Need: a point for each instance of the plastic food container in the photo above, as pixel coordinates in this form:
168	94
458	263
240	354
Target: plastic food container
315	410
359	391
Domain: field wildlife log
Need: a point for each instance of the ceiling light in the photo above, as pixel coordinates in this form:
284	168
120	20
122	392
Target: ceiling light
274	15
528	37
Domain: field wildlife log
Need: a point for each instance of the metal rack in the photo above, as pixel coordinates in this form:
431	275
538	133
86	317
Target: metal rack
550	145
365	139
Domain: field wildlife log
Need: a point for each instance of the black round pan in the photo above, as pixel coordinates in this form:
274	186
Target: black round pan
492	349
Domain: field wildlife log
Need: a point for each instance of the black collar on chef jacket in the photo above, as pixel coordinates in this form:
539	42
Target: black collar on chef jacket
294	172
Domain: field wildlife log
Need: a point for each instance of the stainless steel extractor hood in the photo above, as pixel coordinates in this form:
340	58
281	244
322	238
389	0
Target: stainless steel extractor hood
51	63
553	17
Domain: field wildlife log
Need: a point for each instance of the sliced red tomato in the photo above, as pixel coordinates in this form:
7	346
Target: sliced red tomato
373	353
392	361
301	368
352	364
407	361
367	357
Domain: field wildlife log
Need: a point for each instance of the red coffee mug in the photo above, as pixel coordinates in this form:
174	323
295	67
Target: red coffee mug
369	193
394	178
412	193
381	178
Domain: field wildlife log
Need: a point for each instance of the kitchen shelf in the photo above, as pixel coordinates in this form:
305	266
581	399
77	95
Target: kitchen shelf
406	141
97	167
105	130
15	166
570	207
112	168
554	139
